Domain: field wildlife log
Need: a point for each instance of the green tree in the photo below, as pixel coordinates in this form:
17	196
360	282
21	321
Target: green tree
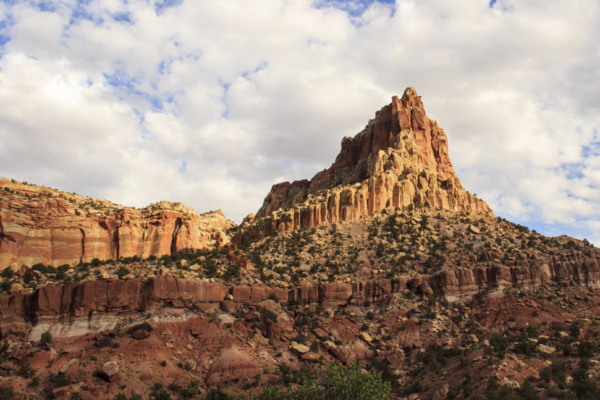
335	383
46	338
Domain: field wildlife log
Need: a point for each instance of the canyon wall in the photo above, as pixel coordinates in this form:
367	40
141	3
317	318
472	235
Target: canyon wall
400	160
42	225
91	300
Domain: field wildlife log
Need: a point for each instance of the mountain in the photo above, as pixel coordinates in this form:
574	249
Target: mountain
382	259
399	160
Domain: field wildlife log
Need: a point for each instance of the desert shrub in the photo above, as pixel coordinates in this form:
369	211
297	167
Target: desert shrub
210	269
43	268
25	369
232	271
104	341
122	271
587	349
575	330
46	338
35	382
7	273
268	314
300	338
274	297
217	394
158	393
193	389
335	383
28	277
7	394
5	285
60	380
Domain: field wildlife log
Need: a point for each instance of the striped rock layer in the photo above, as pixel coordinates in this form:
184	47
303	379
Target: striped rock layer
42	225
66	304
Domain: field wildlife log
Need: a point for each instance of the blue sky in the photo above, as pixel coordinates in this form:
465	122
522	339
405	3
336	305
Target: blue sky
210	103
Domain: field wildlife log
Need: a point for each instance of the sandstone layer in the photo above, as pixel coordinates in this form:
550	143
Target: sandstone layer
66	304
42	225
400	160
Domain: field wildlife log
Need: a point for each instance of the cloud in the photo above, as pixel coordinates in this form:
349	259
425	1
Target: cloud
210	103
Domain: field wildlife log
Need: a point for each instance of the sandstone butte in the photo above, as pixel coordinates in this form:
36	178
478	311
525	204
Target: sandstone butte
43	225
399	160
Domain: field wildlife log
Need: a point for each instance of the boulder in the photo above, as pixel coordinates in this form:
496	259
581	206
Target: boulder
232	364
110	371
311	357
547	350
141	334
299	348
15	288
366	337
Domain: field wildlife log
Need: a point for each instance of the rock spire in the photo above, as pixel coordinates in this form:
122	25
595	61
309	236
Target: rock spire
399	160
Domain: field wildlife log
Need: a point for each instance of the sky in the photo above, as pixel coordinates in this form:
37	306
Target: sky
209	103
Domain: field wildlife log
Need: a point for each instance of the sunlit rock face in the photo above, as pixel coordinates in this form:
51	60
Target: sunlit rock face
400	160
43	225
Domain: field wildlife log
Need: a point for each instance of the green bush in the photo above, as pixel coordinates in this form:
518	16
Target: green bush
7	273
43	268
61	380
104	341
587	349
217	394
158	393
192	390
270	315
46	338
28	277
122	271
7	394
25	369
335	383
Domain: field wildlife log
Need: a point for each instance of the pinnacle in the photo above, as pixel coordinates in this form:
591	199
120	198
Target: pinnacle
409	92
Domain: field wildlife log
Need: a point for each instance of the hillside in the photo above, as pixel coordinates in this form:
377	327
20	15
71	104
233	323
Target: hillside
384	259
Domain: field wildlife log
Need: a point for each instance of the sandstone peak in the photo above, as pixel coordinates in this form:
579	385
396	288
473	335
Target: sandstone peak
399	160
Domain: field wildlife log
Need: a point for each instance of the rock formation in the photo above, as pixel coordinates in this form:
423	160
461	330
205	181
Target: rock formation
400	160
57	309
42	225
232	364
417	279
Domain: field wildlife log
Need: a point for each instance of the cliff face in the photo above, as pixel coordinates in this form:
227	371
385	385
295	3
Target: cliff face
42	225
399	160
59	309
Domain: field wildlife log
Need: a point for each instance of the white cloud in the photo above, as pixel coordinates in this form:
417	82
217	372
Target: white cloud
209	103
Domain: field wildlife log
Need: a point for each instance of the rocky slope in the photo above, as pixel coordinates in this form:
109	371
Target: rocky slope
400	160
42	225
425	298
382	259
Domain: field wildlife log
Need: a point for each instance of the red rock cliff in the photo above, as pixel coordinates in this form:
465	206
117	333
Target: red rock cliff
63	304
42	225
